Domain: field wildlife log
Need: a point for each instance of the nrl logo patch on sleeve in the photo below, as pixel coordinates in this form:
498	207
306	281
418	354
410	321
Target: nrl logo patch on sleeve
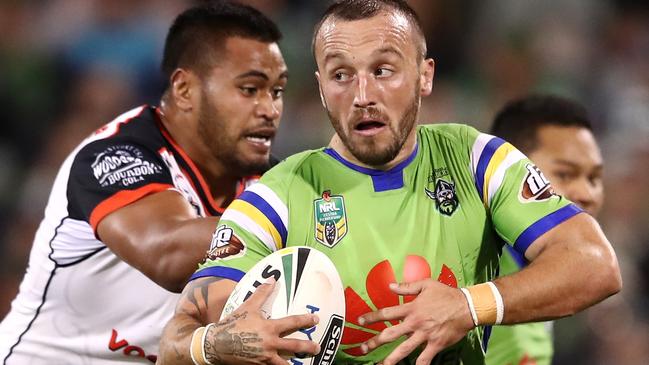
535	186
122	165
225	245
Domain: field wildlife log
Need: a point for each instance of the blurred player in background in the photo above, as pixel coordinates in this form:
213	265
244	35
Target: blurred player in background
134	206
556	134
389	201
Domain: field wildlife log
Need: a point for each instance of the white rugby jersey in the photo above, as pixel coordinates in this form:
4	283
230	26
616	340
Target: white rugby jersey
78	302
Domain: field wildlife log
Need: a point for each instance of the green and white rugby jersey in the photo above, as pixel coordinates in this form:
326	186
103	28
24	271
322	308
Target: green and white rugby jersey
443	213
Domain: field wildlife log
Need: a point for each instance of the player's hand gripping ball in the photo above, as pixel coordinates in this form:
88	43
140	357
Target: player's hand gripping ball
307	282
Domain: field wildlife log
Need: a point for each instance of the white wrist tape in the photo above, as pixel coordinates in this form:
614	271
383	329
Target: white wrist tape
469	300
500	306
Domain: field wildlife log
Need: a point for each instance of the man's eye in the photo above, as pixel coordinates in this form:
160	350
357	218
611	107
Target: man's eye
248	90
383	72
278	92
563	176
341	76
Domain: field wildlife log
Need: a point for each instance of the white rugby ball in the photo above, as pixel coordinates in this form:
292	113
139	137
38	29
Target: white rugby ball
307	282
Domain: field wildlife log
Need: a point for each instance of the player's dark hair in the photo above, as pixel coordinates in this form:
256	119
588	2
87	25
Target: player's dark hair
351	10
199	33
518	121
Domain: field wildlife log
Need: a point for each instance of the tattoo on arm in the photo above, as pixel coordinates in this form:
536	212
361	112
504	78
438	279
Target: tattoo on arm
186	329
179	355
223	339
197	294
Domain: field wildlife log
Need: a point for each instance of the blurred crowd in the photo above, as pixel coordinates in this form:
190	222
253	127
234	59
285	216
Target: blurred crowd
69	66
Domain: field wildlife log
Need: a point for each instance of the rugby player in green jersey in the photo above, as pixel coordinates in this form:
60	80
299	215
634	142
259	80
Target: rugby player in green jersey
427	207
556	134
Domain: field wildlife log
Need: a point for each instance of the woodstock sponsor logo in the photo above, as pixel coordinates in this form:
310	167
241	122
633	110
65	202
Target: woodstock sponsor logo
123	165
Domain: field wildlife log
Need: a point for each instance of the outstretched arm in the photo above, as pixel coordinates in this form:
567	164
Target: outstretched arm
243	337
160	235
573	267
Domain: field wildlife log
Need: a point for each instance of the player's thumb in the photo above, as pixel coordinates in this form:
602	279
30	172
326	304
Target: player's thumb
411	288
261	294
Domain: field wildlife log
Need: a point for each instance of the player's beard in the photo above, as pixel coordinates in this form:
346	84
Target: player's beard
373	152
213	132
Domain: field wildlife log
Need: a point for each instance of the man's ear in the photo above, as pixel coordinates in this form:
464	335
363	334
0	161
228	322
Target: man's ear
427	71
182	83
322	98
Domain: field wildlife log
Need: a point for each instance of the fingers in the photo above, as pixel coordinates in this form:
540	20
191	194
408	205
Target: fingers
384	314
258	298
295	322
294	346
387	335
277	360
426	356
404	349
412	288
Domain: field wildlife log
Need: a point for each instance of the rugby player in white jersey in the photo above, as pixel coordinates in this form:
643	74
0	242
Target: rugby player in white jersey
134	206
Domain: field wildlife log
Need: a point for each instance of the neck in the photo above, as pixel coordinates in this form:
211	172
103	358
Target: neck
406	150
183	128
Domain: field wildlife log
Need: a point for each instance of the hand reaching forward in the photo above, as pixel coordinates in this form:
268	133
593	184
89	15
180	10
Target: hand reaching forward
437	318
247	337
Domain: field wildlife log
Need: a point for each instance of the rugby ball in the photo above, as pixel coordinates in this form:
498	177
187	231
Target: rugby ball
307	282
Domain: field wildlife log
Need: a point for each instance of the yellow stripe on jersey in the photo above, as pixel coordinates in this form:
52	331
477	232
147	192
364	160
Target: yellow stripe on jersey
497	159
259	218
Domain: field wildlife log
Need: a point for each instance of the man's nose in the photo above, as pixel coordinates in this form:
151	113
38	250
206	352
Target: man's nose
268	107
365	91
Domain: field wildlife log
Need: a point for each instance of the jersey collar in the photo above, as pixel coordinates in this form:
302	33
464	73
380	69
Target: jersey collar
383	180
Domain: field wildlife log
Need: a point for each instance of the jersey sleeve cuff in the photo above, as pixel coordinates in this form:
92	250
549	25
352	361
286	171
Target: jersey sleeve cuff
122	199
538	228
219	271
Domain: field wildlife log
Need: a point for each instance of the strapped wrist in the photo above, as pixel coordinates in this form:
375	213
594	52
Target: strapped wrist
485	303
197	346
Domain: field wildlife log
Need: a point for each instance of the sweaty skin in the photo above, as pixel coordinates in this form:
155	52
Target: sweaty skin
371	79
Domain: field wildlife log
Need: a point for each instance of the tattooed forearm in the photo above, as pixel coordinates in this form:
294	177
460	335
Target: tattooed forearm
223	339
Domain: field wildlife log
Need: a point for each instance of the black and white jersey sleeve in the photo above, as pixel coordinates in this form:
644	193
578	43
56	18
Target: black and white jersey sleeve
111	173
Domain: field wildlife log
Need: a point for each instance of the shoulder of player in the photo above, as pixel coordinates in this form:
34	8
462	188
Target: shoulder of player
141	124
135	144
459	135
136	130
295	164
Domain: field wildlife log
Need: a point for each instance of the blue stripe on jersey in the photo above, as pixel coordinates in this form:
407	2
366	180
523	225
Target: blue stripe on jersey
485	337
543	225
483	163
383	180
520	260
270	213
219	271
